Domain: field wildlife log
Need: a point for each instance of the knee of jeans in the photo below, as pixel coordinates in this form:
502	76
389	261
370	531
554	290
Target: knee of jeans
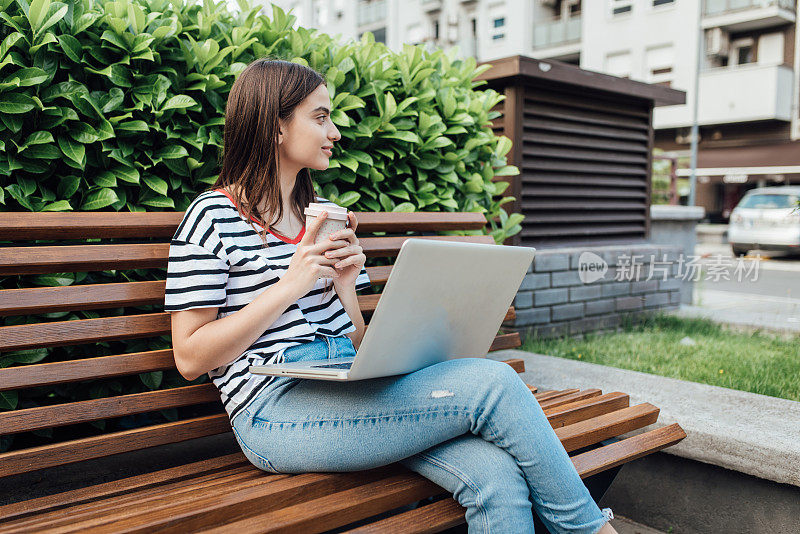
492	371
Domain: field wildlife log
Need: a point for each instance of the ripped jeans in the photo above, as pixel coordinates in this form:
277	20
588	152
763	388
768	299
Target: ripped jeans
470	425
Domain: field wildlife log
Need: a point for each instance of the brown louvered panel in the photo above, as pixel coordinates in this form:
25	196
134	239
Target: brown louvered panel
560	178
27	419
563	191
561	204
550	218
536	164
85	297
26	226
58	333
542	136
552	125
78	450
585	153
566	113
43	374
583	230
596	104
70	258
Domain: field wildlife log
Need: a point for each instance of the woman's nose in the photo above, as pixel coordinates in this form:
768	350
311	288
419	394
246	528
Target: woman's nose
335	135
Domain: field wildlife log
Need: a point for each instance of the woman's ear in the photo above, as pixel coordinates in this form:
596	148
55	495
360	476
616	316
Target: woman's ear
280	131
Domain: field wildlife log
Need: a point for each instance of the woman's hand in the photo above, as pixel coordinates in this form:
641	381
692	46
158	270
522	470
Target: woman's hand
308	263
350	258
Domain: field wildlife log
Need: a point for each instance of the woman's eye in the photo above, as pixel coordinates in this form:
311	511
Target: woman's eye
321	117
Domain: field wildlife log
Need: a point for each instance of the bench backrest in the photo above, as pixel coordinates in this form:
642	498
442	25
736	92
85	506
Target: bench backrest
104	241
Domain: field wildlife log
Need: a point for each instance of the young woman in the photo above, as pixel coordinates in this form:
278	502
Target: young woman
247	285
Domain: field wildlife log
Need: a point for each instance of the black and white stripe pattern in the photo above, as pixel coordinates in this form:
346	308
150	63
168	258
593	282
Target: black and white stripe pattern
217	259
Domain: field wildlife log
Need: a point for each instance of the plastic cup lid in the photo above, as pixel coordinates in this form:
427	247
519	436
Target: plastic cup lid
334	212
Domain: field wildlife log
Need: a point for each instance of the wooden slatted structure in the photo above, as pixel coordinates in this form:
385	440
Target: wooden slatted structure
583	142
188	497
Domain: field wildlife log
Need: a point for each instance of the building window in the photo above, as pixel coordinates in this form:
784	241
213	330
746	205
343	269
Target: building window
498	36
435	30
660	61
320	13
618	64
657	3
380	35
499	23
619	7
742	52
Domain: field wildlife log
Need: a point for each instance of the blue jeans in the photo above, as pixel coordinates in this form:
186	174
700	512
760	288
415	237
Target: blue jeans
470	425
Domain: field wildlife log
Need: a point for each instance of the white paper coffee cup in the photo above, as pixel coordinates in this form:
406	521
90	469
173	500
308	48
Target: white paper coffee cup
335	221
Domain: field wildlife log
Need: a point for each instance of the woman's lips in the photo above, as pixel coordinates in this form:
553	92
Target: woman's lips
328	151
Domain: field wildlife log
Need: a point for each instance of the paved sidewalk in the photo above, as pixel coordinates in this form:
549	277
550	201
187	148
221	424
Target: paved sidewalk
766	312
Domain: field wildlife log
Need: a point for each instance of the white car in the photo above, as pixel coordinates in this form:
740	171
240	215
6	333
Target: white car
767	218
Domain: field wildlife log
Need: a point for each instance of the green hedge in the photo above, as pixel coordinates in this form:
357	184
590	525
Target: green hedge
119	105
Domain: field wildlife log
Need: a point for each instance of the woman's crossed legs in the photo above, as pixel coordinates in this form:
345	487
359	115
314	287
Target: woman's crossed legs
470	425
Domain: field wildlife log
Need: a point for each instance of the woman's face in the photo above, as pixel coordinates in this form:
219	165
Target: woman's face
307	139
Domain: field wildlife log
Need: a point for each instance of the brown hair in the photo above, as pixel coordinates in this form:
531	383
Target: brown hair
267	90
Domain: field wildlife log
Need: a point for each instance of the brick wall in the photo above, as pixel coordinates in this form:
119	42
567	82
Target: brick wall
556	299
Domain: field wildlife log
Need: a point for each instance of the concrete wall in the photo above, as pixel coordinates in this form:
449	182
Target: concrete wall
677	225
554	300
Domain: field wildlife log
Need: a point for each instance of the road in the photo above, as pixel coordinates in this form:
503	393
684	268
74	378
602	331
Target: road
765	294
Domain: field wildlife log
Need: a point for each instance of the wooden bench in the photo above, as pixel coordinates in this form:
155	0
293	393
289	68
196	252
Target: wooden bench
220	491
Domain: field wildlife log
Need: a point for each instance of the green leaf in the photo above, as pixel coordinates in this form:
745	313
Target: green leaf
159	202
172	152
179	102
74	151
58	205
508	170
30	76
68	186
133	126
405	207
71	46
38	138
410	137
156	184
127	174
113	38
105	179
16	103
99	199
152	379
54	18
349	198
8	400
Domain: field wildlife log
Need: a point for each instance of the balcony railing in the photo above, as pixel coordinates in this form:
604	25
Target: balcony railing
370	12
719	7
556	32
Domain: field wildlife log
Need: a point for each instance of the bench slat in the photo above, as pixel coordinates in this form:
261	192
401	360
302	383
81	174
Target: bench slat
339	509
585	394
59	333
220	480
623	451
82	297
42	374
193	511
435	517
568	414
595	430
27	226
27	419
45	456
124	486
71	258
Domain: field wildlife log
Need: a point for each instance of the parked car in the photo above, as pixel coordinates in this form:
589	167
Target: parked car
767	218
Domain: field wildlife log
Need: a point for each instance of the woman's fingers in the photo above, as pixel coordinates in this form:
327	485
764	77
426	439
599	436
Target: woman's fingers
344	251
352	260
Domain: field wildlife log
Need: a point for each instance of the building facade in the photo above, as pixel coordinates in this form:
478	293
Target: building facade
749	79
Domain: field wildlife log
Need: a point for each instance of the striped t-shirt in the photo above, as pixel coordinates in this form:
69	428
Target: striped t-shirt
217	259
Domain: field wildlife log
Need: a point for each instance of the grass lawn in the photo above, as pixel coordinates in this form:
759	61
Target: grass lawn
757	362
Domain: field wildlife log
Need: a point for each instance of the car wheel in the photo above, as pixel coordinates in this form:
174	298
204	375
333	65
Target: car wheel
738	251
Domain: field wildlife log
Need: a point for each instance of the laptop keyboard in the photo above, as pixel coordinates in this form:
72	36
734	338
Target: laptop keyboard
345	365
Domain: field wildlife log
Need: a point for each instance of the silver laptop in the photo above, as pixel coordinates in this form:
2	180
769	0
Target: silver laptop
443	300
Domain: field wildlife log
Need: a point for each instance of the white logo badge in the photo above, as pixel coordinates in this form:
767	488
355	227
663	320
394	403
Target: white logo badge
591	267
